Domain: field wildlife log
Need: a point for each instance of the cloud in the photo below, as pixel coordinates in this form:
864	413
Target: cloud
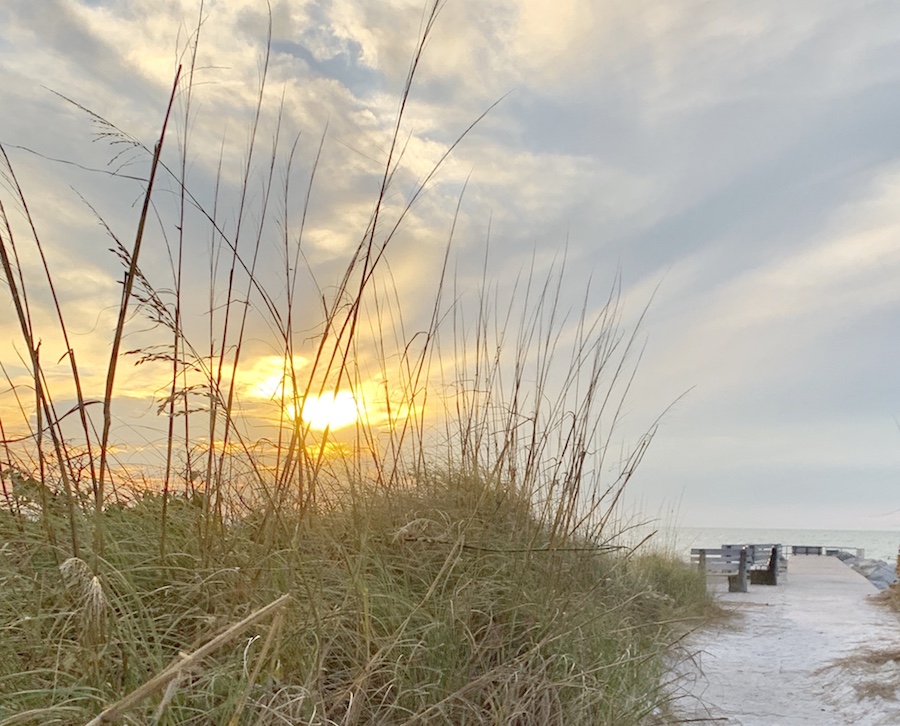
741	159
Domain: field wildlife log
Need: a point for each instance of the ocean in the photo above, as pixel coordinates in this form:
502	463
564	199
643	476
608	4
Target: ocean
878	545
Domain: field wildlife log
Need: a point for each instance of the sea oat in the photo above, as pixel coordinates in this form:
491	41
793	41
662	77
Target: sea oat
87	591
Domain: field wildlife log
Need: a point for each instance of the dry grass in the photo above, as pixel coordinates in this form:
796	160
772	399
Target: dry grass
460	565
458	619
876	689
873	673
889	598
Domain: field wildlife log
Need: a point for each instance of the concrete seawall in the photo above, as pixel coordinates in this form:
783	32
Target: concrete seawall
798	654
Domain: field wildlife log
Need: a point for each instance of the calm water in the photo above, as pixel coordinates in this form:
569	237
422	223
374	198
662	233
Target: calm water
879	545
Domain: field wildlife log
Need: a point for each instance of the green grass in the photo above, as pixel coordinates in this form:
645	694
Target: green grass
460	565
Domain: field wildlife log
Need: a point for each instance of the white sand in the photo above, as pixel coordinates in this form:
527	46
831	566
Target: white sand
776	663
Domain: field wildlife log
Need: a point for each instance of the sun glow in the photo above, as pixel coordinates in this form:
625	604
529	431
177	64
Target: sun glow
267	377
328	411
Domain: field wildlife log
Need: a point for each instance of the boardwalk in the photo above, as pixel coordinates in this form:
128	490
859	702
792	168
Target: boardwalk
799	654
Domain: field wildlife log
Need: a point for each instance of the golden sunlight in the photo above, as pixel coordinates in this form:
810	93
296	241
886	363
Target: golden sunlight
266	377
329	411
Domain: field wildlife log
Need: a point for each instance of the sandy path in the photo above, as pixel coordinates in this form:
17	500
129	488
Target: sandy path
776	662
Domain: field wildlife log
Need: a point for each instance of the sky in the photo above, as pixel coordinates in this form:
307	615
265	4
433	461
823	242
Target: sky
735	165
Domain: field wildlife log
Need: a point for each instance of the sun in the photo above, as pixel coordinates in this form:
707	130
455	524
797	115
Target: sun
329	411
268	378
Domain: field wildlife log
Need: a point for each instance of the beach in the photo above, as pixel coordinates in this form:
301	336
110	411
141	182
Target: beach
815	650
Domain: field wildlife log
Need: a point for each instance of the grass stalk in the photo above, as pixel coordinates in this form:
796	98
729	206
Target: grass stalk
120	329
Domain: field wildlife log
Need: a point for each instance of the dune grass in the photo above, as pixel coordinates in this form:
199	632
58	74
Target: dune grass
459	561
441	603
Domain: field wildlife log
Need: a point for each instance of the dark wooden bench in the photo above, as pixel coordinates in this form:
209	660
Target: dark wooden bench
769	565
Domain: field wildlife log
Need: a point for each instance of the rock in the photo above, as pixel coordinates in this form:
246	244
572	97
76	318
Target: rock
866	566
878	572
883	577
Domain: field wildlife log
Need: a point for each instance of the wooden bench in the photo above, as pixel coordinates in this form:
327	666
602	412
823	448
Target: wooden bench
769	564
727	561
744	564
